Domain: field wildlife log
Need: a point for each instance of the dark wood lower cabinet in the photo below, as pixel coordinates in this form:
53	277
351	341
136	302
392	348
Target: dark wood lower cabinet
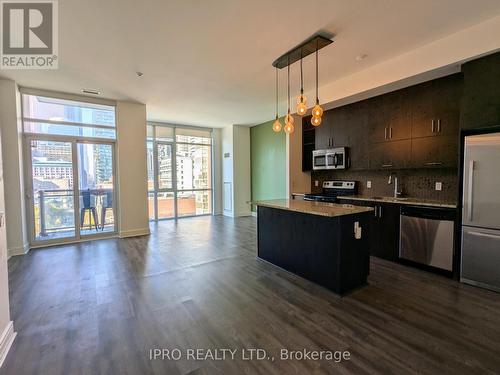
321	249
384	228
387	227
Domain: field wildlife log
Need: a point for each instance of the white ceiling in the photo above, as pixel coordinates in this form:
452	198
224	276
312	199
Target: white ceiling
208	63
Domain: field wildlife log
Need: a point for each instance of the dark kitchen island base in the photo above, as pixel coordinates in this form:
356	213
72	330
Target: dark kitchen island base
321	249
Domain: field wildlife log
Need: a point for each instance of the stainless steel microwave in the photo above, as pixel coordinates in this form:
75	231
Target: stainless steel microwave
334	158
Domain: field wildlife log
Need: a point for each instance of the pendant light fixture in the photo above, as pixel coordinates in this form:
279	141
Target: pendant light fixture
317	111
277	123
304	49
301	100
288	128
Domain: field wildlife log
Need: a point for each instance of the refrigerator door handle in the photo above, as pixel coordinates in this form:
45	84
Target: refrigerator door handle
470	190
480	234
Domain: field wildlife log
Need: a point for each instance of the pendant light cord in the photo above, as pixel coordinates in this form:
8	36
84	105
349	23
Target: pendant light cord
301	77
317	96
276	93
288	84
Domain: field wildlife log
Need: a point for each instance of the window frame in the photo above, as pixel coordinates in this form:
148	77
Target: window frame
69	97
174	189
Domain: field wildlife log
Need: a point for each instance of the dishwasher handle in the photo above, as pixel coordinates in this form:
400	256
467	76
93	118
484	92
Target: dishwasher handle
433	213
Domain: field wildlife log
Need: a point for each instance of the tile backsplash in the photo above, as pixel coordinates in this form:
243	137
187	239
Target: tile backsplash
414	183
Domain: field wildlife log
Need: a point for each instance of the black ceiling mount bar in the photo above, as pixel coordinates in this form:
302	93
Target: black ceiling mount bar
302	50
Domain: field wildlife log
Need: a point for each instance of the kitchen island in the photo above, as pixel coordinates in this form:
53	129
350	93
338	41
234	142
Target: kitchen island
325	243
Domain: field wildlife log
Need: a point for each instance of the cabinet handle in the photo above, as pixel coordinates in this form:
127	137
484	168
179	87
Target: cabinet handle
434	163
386	165
390	132
380	212
433	126
376	211
385	132
439	125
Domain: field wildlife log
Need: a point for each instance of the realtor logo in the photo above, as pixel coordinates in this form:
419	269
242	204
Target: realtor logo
29	34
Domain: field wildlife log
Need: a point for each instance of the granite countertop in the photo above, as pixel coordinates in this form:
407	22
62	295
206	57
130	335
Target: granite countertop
407	201
314	208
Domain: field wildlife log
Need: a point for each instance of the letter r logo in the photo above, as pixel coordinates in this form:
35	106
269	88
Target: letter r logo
27	27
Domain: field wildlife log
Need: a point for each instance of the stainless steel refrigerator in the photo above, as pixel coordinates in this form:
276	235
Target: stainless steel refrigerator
481	212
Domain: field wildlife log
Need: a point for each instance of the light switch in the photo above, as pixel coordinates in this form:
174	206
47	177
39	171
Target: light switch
316	183
439	186
368	184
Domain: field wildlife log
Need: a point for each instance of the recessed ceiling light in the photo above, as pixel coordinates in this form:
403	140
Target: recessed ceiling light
89	91
361	57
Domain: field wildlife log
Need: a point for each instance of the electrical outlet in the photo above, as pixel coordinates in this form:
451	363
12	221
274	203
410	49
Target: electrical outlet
357	230
316	183
439	186
368	184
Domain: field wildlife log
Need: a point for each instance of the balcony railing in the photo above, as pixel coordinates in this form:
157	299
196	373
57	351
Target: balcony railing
54	211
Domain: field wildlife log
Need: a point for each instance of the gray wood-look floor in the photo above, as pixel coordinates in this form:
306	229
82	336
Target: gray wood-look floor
99	307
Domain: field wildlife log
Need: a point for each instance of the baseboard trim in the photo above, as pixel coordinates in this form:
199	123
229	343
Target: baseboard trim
135	233
6	340
20	250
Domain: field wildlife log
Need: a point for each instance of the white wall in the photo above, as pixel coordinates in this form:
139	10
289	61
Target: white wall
236	186
217	170
132	169
11	128
227	171
241	170
6	328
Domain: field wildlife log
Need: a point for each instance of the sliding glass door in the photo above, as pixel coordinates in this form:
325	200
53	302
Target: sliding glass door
52	193
179	171
72	190
69	146
96	189
165	196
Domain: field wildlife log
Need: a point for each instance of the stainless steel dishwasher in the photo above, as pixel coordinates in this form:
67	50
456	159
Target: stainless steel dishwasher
427	235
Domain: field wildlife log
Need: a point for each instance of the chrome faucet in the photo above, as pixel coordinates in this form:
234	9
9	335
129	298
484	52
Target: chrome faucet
397	192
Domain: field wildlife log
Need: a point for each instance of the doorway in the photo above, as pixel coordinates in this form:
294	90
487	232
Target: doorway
70	189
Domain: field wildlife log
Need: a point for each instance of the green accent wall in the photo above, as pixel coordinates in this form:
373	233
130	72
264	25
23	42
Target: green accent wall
268	162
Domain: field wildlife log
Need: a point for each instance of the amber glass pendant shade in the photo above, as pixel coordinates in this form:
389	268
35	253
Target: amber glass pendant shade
288	128
316	120
277	126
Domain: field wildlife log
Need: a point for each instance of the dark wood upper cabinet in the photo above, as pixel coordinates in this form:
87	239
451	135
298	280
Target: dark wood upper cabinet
436	107
323	132
415	127
481	93
355	136
435	152
398	109
338	121
378	119
390	155
390	117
